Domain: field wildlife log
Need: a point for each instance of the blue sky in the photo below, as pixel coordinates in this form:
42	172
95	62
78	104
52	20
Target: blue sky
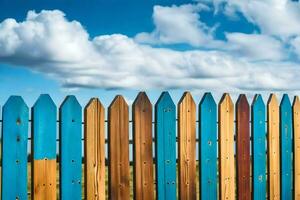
101	48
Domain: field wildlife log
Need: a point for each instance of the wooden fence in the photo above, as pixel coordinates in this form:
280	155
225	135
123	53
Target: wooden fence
244	151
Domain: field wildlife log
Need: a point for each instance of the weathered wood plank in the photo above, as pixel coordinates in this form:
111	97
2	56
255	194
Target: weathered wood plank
118	146
286	147
142	148
296	130
243	148
273	148
165	152
94	134
187	147
44	148
259	159
70	135
226	149
14	149
208	147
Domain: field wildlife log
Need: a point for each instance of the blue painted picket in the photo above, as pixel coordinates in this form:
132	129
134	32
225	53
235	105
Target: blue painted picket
286	147
44	128
70	149
165	147
258	128
14	149
44	148
208	147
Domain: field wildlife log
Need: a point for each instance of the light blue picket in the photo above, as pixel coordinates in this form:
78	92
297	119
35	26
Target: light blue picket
44	128
208	147
165	147
14	149
286	147
258	128
70	149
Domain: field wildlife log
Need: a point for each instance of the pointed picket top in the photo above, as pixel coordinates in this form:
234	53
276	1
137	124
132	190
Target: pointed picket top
141	98
207	99
165	99
272	101
186	97
44	100
242	101
93	104
296	102
226	101
71	101
15	101
118	101
258	101
285	101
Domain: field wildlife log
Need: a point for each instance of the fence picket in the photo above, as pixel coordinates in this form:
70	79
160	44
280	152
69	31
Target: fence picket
273	148
94	171
187	147
243	148
14	149
258	128
208	147
70	149
226	149
165	117
296	136
44	148
142	148
286	147
118	150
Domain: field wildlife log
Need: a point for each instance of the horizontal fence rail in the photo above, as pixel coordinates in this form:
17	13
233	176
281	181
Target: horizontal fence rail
244	151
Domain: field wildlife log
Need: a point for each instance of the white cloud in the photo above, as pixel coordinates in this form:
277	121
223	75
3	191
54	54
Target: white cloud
178	24
255	46
274	17
48	43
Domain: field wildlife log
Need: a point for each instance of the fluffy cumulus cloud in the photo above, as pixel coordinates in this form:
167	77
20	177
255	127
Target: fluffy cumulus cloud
178	24
47	42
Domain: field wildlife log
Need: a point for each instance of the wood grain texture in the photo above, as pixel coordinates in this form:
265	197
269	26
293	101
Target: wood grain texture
286	149
94	150
14	149
273	148
243	148
187	147
142	148
296	130
208	147
70	134
165	144
118	146
259	158
44	149
226	149
44	179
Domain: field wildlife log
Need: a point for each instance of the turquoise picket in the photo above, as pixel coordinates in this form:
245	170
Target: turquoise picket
44	128
14	149
286	147
70	135
165	147
208	147
258	128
